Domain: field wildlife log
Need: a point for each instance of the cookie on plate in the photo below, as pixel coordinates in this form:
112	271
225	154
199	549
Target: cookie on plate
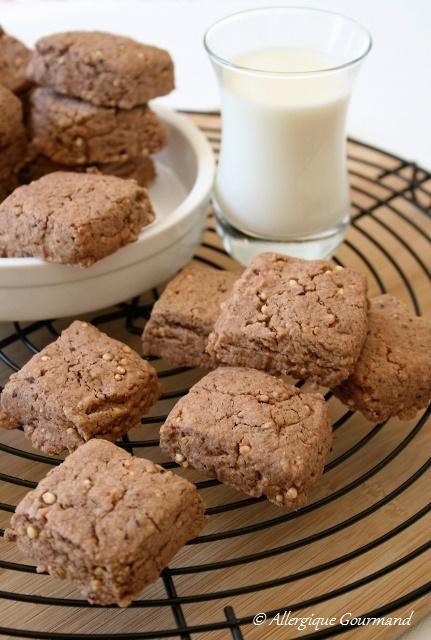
185	314
73	218
142	169
107	521
253	431
8	182
83	385
298	317
102	68
13	142
393	374
14	58
71	132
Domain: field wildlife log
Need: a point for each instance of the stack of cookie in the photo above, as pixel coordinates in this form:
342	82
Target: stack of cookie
90	110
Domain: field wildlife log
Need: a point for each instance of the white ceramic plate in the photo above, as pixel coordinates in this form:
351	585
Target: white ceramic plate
32	289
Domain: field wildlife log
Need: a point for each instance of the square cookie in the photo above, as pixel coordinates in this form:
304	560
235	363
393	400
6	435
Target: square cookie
142	169
393	374
298	317
73	218
102	68
185	314
83	385
107	521
253	431
73	132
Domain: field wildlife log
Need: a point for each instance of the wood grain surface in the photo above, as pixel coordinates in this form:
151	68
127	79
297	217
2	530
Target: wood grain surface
364	541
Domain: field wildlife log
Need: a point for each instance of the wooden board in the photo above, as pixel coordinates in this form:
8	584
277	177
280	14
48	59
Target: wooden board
364	541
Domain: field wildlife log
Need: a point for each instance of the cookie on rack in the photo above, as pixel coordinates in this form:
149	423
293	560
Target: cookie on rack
107	521
185	314
393	374
253	431
306	318
83	385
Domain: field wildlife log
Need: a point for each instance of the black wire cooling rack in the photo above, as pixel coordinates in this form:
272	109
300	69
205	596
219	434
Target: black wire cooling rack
367	525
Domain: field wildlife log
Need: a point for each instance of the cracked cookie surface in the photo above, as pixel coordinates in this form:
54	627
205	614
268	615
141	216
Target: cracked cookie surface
182	319
298	317
83	385
253	431
70	131
102	68
73	218
107	521
393	374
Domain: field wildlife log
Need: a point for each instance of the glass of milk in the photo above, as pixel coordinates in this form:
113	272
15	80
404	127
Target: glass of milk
286	77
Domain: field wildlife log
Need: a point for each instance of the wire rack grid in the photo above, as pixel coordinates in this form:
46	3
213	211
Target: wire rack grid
364	528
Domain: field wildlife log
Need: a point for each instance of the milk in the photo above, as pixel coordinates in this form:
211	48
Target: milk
282	171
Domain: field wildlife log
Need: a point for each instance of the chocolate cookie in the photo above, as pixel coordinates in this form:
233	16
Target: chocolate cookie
252	431
143	169
102	68
71	132
185	314
393	374
106	521
13	144
8	182
84	385
291	316
14	58
73	218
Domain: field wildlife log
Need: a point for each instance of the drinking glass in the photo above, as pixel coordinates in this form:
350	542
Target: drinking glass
286	76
